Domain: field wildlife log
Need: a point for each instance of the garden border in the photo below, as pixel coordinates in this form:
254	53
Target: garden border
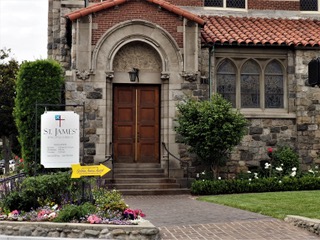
144	230
309	224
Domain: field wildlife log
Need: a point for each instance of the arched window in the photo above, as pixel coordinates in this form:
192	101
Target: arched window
250	85
274	88
226	81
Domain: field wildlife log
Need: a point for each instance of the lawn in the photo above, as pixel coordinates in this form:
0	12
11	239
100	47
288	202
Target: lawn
274	204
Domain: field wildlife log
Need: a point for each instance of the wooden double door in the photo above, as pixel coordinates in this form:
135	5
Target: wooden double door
136	119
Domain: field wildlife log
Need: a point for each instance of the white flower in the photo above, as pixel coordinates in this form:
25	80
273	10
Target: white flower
219	178
281	164
311	171
280	181
294	169
316	167
249	179
55	207
203	173
293	174
267	165
249	172
279	169
255	175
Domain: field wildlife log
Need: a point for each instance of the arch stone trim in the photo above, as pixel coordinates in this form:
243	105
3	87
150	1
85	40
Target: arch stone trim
138	30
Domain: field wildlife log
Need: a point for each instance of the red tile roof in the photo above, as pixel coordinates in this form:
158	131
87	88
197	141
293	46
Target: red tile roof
224	30
111	3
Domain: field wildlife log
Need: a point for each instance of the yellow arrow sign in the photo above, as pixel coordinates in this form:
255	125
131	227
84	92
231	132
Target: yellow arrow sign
92	170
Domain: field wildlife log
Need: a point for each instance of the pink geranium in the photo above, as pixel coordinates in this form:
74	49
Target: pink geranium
94	219
133	214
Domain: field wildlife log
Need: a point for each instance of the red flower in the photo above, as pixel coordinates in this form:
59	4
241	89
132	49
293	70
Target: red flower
270	150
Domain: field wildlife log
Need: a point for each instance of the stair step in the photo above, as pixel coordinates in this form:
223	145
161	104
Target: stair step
138	170
144	186
139	175
172	191
137	165
144	180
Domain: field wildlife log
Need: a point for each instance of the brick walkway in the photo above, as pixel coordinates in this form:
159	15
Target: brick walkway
183	217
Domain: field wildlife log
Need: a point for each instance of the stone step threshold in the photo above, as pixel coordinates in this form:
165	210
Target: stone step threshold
49	230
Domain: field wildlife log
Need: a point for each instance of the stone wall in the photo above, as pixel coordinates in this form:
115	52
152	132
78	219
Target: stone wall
311	225
144	230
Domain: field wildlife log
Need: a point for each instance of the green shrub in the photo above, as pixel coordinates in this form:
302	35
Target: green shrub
44	190
216	187
107	200
70	212
37	82
285	157
211	129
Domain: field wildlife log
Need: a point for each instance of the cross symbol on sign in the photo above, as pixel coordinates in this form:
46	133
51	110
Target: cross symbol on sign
58	118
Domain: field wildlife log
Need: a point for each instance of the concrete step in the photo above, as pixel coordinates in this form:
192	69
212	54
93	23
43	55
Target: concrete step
137	165
139	175
138	170
172	191
144	186
144	180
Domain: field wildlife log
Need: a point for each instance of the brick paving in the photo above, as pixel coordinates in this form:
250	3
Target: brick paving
184	217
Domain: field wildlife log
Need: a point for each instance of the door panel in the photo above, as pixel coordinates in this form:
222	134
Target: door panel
136	123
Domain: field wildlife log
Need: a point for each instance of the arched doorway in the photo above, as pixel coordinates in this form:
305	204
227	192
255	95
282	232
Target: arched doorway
136	106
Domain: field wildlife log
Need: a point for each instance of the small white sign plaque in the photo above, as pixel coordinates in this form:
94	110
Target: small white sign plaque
60	139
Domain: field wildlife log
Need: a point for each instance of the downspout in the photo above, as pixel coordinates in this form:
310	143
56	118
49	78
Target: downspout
211	51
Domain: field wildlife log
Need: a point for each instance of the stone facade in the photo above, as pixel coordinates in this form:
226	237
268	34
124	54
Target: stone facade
98	50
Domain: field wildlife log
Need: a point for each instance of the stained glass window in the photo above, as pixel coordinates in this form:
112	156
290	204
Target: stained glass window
250	85
225	3
226	81
236	3
273	82
309	5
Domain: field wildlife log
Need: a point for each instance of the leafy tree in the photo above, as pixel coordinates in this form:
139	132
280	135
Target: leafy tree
8	130
211	129
39	81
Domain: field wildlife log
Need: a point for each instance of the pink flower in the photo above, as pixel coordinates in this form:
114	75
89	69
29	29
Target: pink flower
15	212
94	219
133	214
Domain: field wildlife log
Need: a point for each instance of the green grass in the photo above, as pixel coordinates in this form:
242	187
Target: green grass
274	204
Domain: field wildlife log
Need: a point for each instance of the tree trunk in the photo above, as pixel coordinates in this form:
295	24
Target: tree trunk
6	152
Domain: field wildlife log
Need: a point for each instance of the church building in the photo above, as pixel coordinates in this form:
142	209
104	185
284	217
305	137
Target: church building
131	61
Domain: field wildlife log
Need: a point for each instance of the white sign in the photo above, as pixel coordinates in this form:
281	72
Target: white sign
60	139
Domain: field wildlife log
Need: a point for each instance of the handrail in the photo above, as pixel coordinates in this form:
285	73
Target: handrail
110	158
181	161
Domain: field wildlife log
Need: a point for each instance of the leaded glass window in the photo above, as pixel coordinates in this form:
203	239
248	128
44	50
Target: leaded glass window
213	3
273	81
225	3
236	3
226	81
250	85
309	5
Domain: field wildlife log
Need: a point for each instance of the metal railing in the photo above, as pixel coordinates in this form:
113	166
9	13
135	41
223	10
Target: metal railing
110	158
10	184
181	161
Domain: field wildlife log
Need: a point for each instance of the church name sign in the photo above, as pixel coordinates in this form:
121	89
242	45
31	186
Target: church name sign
60	139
